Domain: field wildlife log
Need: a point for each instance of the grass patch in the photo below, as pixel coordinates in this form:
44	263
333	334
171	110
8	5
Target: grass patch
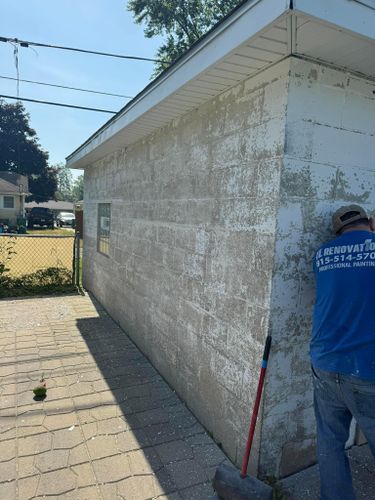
43	282
57	231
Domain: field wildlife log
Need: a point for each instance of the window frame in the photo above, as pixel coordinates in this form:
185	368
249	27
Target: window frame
103	235
9	197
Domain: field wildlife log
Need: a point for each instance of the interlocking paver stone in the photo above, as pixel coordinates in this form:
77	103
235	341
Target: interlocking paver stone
109	428
33	445
7	450
197	492
8	489
51	460
57	482
102	446
67	438
187	473
26	487
78	455
137	487
85	475
8	470
26	466
129	441
89	493
112	468
173	451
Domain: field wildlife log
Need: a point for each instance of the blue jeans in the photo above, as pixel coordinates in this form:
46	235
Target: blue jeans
338	398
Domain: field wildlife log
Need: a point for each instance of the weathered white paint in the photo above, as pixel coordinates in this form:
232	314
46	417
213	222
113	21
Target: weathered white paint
215	219
221	187
192	242
328	162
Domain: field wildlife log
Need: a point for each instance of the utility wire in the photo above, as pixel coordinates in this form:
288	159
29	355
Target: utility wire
58	104
66	87
16	63
24	43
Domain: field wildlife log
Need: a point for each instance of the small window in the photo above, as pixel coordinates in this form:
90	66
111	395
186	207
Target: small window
8	202
104	227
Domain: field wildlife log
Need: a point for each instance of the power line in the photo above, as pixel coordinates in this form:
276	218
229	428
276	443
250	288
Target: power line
24	43
58	104
66	87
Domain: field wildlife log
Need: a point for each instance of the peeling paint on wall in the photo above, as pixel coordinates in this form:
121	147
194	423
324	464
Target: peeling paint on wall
328	162
191	250
215	219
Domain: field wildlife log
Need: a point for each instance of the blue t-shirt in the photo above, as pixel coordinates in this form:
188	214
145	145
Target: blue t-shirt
343	335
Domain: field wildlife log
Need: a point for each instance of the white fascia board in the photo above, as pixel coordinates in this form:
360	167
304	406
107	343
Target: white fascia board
248	20
351	15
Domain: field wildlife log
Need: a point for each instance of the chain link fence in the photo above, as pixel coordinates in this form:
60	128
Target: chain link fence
36	263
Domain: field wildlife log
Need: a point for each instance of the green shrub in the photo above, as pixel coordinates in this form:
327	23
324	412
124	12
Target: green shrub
50	280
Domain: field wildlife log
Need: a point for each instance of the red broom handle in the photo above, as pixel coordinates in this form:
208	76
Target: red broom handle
254	416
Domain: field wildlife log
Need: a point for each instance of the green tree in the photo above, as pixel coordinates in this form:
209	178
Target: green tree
77	189
182	22
64	183
20	152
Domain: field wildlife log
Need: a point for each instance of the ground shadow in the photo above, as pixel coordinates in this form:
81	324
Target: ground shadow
180	454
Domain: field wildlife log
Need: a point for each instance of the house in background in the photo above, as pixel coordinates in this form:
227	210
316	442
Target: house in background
55	206
206	196
13	190
78	212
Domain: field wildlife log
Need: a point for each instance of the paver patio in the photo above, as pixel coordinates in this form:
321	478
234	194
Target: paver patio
109	428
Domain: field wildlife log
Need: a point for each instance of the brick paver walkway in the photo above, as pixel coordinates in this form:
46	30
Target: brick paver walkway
109	428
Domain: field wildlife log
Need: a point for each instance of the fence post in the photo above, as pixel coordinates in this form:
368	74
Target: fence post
74	261
78	258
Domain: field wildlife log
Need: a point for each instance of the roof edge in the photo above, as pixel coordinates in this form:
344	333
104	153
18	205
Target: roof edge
198	46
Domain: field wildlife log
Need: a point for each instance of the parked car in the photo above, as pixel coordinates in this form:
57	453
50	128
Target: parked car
65	219
39	216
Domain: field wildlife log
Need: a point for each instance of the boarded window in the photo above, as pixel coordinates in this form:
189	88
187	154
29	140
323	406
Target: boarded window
104	227
8	202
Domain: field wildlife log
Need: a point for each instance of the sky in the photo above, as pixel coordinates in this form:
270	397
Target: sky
100	25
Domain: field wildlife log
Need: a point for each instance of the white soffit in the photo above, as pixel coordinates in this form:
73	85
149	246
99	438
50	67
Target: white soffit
258	35
337	32
224	57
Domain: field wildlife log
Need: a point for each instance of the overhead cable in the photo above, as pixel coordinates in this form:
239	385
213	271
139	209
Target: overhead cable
57	104
24	43
66	87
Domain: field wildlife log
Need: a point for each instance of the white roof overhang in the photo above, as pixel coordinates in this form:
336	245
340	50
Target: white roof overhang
256	36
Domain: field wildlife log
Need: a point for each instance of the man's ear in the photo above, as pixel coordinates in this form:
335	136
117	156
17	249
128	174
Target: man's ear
371	224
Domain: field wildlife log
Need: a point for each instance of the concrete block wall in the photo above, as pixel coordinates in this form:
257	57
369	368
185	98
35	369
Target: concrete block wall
193	217
328	162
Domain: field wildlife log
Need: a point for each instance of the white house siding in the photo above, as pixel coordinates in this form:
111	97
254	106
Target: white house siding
329	161
10	214
194	209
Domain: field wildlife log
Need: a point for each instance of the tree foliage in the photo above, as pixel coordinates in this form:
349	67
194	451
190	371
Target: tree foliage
77	189
67	188
181	22
20	152
64	183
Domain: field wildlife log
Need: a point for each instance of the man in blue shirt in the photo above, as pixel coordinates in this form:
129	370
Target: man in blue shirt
342	347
